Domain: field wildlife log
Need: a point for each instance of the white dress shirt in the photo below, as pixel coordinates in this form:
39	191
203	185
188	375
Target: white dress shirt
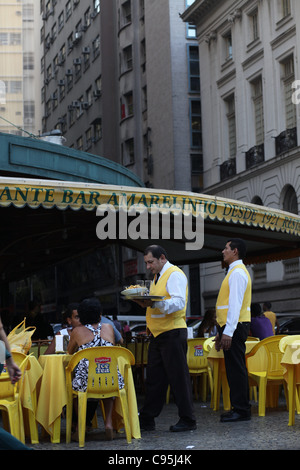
237	287
176	288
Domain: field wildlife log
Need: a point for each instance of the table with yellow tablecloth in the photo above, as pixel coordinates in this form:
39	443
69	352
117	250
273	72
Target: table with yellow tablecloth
291	363
29	397
53	397
52	393
216	358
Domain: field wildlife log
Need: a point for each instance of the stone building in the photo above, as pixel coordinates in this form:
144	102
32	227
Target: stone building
249	63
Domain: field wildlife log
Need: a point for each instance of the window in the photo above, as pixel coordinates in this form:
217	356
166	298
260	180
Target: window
54	100
286	7
227	38
197	172
194	72
15	39
15	86
257	97
68	9
254	25
288	77
126	13
3	39
191	31
88	138
89	96
127	105
128	152
230	105
98	87
2	92
79	143
61	21
97	129
127	58
96	47
87	18
290	202
195	123
97	6
28	61
70	42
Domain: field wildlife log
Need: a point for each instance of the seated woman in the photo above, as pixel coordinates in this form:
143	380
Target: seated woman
208	326
92	333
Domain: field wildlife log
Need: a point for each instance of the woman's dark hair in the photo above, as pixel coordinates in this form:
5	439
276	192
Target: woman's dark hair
240	245
89	311
156	251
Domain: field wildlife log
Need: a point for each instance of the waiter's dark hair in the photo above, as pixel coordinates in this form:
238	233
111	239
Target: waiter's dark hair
156	251
240	245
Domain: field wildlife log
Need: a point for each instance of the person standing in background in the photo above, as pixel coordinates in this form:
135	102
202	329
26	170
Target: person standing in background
233	318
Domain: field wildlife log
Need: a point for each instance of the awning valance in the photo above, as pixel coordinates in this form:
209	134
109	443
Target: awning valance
64	221
62	195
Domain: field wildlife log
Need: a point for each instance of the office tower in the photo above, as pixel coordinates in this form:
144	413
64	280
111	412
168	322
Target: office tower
121	80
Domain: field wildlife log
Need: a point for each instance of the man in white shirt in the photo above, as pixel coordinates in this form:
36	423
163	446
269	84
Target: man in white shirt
167	362
233	317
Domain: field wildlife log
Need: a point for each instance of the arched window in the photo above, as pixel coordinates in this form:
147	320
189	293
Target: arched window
257	200
289	200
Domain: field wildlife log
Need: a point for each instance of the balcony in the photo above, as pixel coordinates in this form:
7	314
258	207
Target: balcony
228	169
255	155
286	140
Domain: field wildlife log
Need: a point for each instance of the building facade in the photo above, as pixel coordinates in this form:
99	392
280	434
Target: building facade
121	80
19	67
249	62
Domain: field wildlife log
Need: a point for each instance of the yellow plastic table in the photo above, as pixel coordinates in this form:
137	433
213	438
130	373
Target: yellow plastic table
291	363
220	378
52	394
29	397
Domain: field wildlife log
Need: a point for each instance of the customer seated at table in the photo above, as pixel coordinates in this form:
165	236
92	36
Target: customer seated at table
208	326
36	318
70	321
260	326
92	333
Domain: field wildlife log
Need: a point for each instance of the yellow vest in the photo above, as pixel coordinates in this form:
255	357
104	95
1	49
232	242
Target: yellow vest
222	304
159	322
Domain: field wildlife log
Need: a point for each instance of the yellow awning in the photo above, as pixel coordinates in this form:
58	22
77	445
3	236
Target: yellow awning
64	220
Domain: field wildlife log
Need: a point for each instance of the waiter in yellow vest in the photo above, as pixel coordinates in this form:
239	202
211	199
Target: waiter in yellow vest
233	318
167	362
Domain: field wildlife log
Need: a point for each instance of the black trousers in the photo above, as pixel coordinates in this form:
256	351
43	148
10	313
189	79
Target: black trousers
167	364
236	370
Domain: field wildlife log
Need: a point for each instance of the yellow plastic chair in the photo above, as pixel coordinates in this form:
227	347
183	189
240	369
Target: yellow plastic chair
208	343
102	383
199	366
139	348
10	399
265	370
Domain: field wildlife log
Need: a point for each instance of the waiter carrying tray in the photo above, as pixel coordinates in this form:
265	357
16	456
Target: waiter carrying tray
167	362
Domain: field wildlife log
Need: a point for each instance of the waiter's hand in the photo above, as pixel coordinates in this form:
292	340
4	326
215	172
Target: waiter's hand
225	342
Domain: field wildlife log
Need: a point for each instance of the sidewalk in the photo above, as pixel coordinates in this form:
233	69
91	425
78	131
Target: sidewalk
261	433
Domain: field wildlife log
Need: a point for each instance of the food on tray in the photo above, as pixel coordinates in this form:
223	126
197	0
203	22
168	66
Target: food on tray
137	286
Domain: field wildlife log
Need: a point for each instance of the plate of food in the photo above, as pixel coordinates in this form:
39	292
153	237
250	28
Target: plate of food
134	290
